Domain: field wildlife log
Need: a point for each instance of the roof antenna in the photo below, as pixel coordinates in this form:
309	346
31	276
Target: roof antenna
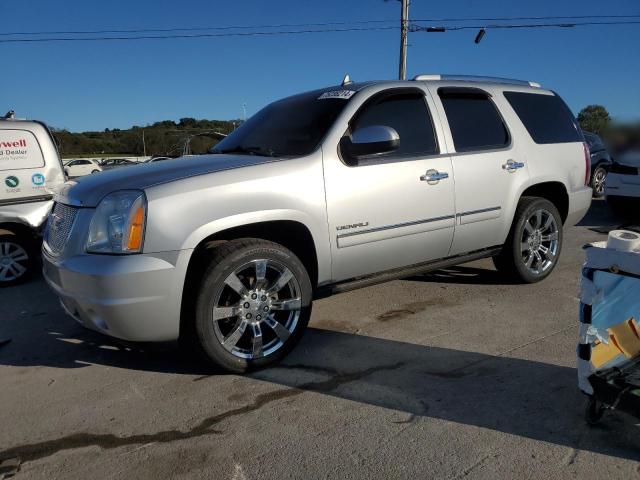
10	115
346	80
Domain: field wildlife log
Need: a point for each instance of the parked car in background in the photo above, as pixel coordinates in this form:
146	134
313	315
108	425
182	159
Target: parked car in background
81	167
30	170
110	163
623	184
320	193
600	163
157	159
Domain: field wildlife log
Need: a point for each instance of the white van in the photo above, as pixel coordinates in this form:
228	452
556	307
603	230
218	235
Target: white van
30	170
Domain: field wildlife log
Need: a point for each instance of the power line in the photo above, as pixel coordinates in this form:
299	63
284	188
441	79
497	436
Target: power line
508	19
196	35
419	28
195	29
414	27
301	25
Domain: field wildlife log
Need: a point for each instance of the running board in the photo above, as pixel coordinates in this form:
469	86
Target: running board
405	272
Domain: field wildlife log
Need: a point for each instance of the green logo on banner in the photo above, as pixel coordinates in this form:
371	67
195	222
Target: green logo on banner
12	182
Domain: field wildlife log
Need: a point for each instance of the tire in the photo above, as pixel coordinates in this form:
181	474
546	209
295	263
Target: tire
246	332
593	411
94	171
17	259
532	250
597	181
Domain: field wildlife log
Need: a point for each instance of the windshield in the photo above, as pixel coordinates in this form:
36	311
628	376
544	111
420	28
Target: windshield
293	126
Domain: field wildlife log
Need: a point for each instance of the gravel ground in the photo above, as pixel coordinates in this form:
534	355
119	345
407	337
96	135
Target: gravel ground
445	375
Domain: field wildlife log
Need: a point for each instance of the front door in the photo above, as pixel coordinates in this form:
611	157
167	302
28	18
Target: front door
395	209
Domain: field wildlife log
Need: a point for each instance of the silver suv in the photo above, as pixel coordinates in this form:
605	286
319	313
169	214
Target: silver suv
319	193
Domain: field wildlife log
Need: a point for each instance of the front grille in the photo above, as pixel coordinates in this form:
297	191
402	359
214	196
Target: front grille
59	227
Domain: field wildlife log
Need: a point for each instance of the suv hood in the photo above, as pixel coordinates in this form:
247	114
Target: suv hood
89	190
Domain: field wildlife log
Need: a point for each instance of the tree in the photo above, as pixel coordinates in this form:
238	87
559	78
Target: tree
594	118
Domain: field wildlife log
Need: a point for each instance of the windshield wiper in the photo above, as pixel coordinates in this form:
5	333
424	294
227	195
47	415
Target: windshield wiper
261	151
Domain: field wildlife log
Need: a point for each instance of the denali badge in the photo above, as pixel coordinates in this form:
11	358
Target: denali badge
352	225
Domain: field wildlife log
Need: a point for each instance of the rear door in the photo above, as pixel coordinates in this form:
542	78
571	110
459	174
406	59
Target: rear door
383	212
489	169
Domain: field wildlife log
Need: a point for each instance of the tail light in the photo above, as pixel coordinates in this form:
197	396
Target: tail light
587	164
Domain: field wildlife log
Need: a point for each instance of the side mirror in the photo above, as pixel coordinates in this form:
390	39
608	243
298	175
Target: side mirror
372	140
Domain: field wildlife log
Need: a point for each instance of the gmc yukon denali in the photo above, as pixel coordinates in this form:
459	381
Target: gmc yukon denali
315	194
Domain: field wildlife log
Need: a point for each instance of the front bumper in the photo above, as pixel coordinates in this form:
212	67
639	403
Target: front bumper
621	185
579	204
135	297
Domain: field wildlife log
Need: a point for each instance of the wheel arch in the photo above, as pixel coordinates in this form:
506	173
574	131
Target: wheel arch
18	229
555	192
291	234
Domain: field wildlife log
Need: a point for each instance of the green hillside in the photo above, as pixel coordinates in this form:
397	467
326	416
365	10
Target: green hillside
161	138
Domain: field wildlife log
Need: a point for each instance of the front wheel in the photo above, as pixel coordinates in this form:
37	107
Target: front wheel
16	260
253	306
534	243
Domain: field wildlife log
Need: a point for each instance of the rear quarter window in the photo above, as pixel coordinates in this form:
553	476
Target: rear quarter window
546	117
19	149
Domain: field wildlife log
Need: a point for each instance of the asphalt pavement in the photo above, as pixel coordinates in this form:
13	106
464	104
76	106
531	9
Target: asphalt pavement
447	375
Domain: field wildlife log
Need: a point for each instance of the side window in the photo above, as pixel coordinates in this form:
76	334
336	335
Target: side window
408	114
473	119
74	163
546	117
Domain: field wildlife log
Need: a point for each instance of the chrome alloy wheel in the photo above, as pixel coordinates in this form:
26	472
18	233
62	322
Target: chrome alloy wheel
13	261
257	309
539	242
599	177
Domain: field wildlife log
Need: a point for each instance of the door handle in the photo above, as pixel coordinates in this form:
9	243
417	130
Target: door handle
511	166
433	176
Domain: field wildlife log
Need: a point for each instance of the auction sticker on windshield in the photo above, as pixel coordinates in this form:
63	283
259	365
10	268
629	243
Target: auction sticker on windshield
344	94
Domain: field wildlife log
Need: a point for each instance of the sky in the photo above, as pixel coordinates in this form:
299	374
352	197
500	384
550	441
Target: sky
85	86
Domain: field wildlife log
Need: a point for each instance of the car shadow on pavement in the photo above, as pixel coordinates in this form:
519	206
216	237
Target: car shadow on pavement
515	396
463	274
600	219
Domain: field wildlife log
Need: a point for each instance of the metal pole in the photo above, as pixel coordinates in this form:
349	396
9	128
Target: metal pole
404	27
144	145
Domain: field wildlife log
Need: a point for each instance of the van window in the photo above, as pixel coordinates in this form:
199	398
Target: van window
408	114
19	149
473	119
546	117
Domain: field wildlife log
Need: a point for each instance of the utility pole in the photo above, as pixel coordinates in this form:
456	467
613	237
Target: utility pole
404	28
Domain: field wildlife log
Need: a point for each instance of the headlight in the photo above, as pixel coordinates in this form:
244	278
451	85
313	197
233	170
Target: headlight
118	223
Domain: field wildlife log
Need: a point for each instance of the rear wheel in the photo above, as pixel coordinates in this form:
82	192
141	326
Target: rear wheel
253	306
534	243
16	259
597	181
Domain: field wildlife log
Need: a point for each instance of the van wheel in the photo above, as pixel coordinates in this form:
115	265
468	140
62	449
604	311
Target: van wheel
534	243
95	171
16	260
253	305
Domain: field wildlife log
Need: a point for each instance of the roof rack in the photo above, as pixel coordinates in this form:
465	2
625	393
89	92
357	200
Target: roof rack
476	78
